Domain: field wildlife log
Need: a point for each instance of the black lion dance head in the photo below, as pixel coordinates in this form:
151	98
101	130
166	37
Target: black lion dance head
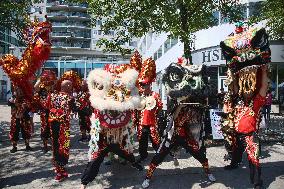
186	82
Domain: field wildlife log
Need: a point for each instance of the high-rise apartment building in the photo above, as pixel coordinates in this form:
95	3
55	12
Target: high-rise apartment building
74	39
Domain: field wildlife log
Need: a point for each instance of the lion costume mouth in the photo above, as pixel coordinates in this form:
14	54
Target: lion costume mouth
114	119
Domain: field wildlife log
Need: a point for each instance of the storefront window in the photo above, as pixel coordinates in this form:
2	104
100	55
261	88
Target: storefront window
276	84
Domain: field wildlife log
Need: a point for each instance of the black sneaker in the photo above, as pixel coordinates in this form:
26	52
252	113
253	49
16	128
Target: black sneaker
13	150
137	166
231	166
28	148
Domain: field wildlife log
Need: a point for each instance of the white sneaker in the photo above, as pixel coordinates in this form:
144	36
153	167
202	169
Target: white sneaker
211	177
146	183
176	163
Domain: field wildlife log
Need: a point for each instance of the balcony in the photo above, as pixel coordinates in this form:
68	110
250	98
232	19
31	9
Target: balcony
60	44
81	25
71	35
62	15
61	5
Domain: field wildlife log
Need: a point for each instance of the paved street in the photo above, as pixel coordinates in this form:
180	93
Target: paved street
26	170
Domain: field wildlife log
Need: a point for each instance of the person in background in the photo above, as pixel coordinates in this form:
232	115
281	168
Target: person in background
267	107
220	98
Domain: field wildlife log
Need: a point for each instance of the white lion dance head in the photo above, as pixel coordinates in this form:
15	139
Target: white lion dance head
114	95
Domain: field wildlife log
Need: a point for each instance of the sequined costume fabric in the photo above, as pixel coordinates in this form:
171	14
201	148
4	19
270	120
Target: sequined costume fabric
20	120
187	134
84	108
60	106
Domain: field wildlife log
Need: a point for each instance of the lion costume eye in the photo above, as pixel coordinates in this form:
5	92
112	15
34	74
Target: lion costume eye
174	77
97	86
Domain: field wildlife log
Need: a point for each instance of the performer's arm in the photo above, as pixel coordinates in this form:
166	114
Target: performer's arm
264	82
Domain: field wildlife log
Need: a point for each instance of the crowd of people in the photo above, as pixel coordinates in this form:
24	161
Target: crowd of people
117	103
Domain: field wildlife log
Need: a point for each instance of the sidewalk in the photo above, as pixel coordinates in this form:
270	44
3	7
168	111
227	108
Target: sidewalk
24	170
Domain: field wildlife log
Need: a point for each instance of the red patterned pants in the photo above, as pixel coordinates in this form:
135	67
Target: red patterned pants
44	129
60	135
250	144
17	125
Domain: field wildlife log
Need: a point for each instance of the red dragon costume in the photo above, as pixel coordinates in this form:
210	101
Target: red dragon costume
21	72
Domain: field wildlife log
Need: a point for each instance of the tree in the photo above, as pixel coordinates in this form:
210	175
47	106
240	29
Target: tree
14	14
178	18
273	12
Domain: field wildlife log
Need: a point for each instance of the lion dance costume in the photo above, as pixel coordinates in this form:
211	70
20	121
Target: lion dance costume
146	118
85	110
60	104
114	96
186	88
247	53
44	86
21	72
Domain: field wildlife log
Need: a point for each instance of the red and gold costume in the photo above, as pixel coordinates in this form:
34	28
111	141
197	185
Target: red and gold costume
247	53
146	118
84	108
186	111
20	119
44	87
147	123
60	105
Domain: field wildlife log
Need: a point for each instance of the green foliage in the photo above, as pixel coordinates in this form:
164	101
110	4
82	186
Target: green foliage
178	18
14	14
273	12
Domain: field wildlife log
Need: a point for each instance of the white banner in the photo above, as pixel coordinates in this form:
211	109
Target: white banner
216	124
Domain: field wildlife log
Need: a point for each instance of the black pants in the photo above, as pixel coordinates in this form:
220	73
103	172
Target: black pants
199	155
238	150
93	166
143	142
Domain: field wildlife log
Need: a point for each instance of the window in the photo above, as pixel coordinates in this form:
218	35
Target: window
255	8
174	41
167	45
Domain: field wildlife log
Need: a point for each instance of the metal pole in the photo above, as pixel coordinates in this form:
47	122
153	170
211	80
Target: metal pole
58	68
85	72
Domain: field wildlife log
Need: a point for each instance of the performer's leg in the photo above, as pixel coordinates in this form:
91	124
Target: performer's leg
26	131
237	153
199	154
252	149
154	137
157	159
82	124
143	143
92	169
14	133
45	131
118	150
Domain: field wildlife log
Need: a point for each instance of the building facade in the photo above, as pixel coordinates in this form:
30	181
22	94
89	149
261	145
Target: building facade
8	44
206	51
74	38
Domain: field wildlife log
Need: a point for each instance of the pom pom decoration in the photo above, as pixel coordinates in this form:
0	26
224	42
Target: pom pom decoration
148	72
